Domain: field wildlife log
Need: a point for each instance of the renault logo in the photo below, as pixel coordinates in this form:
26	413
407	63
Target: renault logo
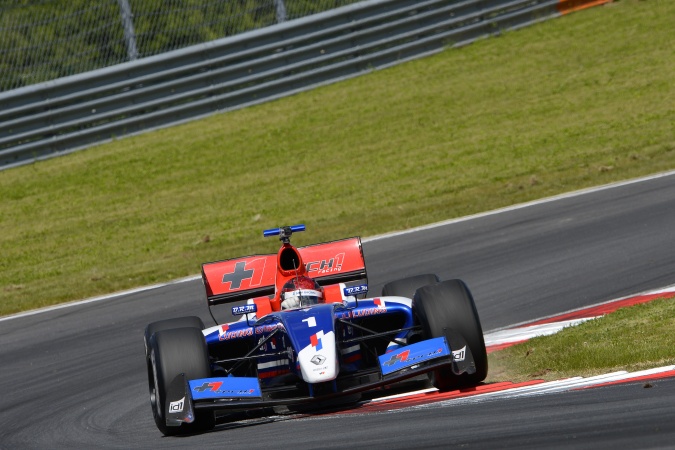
318	359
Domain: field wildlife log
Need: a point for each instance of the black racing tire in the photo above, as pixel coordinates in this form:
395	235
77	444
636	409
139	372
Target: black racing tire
177	322
406	287
172	352
449	304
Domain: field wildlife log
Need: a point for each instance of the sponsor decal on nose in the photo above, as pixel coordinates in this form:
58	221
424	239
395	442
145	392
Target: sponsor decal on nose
315	340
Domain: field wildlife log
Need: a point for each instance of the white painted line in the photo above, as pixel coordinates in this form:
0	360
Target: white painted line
508	392
98	299
405	394
647	372
537	387
526	333
566	385
665	290
549	387
522	206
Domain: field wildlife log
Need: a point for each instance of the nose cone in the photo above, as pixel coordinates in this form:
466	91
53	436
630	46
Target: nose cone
313	335
318	361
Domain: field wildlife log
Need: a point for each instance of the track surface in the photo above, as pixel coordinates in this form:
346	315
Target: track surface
75	377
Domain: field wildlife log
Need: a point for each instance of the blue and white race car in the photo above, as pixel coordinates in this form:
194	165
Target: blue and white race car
308	334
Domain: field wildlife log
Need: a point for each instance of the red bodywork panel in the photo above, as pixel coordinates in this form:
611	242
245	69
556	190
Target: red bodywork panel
264	275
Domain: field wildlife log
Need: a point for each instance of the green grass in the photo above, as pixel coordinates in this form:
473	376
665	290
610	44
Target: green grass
574	102
635	338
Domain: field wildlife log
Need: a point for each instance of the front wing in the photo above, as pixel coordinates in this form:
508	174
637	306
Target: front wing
238	393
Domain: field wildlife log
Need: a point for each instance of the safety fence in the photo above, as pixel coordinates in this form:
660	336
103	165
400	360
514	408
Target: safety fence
41	40
74	112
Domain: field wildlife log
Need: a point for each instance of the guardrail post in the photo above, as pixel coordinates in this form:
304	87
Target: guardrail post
281	10
129	32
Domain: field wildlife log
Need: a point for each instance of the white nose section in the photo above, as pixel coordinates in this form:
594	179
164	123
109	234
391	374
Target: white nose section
318	361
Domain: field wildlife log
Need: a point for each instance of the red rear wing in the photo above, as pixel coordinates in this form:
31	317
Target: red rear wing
254	276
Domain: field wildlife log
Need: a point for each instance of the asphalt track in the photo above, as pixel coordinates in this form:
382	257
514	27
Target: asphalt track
75	377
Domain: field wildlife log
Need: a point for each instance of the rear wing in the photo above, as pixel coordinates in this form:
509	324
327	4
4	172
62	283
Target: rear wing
254	276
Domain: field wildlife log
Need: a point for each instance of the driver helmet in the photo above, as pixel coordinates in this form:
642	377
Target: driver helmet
301	292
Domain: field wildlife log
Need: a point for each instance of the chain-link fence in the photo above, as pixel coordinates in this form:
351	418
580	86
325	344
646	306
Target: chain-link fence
41	40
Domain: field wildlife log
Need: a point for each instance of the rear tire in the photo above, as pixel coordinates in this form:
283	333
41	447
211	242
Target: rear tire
170	353
406	287
178	322
449	304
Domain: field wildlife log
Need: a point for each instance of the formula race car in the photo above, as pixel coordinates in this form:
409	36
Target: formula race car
308	334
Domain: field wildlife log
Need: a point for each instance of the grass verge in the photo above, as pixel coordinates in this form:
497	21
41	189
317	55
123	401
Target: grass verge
635	338
570	103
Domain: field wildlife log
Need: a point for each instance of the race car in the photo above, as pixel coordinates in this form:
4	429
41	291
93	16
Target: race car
307	334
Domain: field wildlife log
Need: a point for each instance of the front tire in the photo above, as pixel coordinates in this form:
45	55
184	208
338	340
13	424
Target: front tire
449	304
406	287
171	353
167	324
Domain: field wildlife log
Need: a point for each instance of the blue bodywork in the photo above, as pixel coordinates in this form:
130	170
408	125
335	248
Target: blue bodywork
281	352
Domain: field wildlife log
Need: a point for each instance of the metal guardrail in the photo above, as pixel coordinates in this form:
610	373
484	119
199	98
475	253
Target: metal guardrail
67	114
